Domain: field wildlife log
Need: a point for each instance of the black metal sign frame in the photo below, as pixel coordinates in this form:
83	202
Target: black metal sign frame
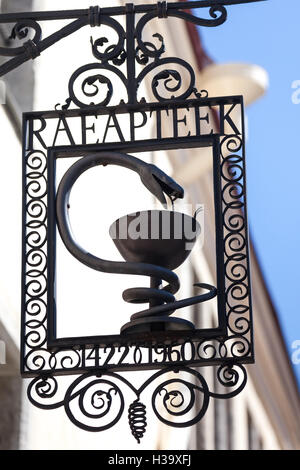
228	347
89	400
29	22
233	284
117	340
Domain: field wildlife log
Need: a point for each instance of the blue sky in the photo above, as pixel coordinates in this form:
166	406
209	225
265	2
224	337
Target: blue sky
268	34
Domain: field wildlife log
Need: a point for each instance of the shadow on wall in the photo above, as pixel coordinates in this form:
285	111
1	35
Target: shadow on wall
10	412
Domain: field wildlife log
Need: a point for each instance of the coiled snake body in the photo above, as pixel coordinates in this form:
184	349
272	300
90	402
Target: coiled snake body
162	300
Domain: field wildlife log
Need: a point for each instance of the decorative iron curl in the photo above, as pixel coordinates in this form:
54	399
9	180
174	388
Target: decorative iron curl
175	403
137	419
92	397
234	220
92	401
231	143
200	94
148	49
36	287
167	77
236	323
43	389
37	335
36	308
236	271
234	243
65	359
37	360
21	31
207	349
90	85
235	347
232	170
36	160
231	376
142	56
114	52
217	13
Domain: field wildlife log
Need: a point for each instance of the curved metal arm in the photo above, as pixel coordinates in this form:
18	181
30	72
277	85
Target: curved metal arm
95	16
155	180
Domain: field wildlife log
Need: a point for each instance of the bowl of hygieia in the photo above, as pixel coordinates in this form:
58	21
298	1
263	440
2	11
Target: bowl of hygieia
161	237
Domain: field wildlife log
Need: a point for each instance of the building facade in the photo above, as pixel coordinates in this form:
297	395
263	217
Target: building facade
266	415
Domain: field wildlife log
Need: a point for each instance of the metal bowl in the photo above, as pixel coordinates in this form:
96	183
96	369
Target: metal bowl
160	237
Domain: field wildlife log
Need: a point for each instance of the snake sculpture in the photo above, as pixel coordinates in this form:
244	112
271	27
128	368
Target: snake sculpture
162	302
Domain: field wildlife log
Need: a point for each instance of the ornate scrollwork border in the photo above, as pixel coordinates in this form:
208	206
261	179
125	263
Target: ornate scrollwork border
232	342
95	401
234	250
227	352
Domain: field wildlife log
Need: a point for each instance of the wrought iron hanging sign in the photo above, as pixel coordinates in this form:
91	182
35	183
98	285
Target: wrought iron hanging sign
154	338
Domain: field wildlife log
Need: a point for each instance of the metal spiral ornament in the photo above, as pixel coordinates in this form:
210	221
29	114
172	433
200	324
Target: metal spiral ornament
137	419
162	304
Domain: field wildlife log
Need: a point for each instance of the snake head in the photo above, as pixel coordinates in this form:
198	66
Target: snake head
159	183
